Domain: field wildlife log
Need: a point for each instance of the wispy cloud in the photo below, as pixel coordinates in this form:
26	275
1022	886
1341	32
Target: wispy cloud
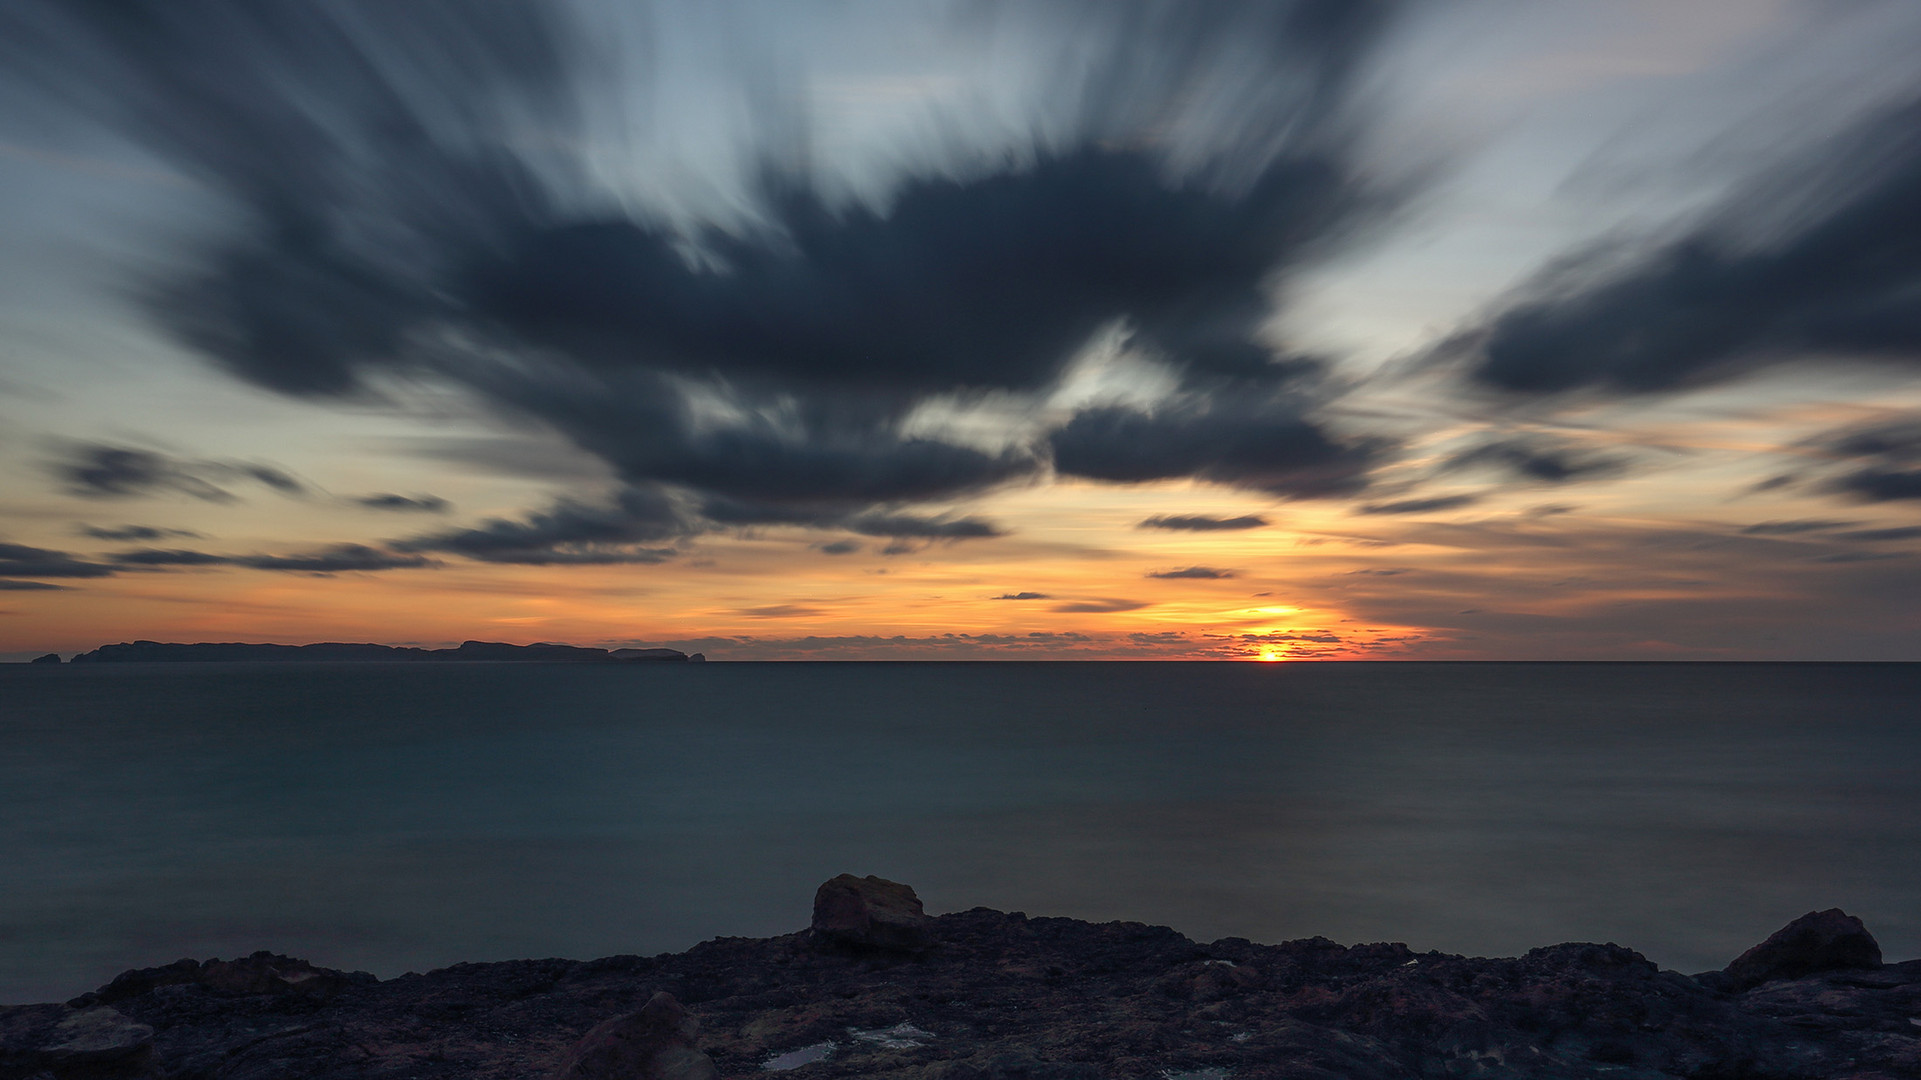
1203	522
106	471
405	504
1107	605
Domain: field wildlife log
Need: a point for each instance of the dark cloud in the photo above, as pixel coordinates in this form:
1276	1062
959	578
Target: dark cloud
391	216
104	471
1199	572
157	557
989	281
504	454
270	476
1827	262
19	560
1419	506
1859	556
1795	528
838	547
136	532
1202	522
1321	637
723	511
638	525
1876	536
902	526
569	533
1231	439
1893	440
98	471
335	559
913	526
361	141
1024	596
405	504
782	611
7	585
1100	606
1891	451
821	457
1543	458
1880	485
1033	644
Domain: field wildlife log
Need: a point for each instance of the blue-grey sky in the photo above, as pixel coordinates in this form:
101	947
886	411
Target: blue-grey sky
1271	329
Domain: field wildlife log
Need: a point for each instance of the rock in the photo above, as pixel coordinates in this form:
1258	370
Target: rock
50	658
261	973
1830	940
655	1043
1017	1066
97	1043
870	913
1002	997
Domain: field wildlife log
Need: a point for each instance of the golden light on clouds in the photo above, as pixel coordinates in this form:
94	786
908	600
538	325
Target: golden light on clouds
1027	343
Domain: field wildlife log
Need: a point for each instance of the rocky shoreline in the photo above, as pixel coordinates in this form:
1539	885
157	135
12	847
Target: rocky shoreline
875	988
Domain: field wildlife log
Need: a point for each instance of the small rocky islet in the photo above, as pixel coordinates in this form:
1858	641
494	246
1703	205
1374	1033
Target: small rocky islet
876	988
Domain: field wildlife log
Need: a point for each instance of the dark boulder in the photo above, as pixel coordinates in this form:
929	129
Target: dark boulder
655	1043
1830	940
870	913
50	658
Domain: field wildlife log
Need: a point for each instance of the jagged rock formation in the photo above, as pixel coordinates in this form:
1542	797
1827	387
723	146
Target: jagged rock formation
994	996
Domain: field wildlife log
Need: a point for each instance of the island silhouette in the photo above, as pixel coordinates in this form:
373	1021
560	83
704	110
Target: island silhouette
204	651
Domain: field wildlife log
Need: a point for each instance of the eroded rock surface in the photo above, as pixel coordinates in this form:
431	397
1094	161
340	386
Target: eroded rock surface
61	1042
655	1043
998	996
1830	940
870	913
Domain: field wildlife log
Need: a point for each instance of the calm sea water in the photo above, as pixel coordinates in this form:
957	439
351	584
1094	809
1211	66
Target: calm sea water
395	817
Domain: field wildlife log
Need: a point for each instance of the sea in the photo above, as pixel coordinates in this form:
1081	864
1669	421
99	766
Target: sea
390	817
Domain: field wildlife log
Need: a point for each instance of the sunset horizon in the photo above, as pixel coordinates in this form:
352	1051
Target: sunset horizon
1050	331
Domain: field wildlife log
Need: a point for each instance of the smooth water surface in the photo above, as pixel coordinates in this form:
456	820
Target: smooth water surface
390	817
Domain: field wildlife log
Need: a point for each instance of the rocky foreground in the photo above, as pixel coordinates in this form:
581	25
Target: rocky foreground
875	988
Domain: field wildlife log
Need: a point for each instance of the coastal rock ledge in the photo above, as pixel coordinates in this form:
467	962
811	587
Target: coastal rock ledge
876	988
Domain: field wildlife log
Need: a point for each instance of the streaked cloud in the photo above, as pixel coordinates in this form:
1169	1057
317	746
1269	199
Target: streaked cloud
1203	522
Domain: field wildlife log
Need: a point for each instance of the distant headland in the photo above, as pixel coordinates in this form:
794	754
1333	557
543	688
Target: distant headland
334	651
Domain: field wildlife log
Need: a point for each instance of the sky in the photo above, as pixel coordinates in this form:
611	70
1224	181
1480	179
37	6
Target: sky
1280	330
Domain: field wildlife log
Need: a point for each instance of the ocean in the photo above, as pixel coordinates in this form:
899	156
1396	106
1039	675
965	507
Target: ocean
395	817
